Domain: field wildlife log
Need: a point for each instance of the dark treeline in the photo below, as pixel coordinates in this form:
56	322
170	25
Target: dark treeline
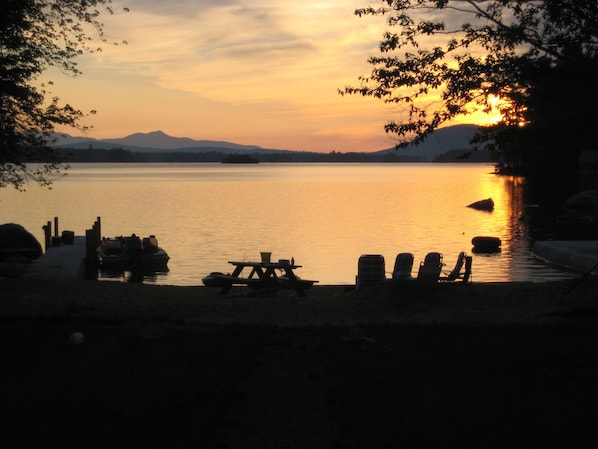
121	155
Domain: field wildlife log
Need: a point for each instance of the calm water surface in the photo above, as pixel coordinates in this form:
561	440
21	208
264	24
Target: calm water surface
323	215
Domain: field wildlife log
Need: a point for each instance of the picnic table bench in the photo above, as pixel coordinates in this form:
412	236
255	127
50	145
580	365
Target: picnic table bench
263	275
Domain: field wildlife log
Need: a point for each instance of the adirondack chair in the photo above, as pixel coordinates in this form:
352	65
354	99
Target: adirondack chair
461	271
370	271
430	268
403	266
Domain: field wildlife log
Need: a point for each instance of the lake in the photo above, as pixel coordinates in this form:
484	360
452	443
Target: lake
323	215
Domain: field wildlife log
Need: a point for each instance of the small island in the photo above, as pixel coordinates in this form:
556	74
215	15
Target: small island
235	158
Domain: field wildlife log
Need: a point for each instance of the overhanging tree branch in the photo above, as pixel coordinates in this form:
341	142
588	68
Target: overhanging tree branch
461	52
34	35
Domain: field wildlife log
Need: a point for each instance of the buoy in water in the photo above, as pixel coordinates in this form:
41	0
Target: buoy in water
485	244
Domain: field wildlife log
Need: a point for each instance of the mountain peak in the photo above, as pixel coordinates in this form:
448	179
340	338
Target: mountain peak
155	139
157	133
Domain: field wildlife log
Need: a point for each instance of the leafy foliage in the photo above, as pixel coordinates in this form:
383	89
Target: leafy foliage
34	35
444	58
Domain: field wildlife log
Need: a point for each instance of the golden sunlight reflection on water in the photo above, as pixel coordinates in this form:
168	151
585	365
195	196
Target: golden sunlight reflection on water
323	215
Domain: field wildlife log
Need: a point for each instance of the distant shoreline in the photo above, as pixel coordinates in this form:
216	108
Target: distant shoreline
119	155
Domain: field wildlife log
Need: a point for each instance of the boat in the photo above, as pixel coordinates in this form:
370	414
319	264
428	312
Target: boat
131	253
217	279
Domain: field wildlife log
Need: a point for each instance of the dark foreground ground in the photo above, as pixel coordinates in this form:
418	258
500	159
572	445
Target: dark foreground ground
158	382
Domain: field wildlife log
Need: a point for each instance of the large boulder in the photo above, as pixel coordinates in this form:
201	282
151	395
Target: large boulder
580	218
16	243
585	201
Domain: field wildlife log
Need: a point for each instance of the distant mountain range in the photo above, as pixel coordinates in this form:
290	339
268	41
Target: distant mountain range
441	141
156	141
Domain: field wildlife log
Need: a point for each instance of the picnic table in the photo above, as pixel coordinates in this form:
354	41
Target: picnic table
263	275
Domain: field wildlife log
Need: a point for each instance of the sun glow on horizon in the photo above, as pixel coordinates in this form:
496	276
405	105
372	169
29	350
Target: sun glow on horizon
482	118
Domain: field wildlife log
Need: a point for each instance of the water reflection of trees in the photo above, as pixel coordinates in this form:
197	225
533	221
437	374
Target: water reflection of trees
514	188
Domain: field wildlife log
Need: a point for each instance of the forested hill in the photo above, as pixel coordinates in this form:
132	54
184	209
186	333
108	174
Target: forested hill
449	144
120	155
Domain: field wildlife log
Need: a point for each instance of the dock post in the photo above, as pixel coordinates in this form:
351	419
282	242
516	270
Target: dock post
88	262
97	232
55	239
92	241
47	235
91	261
99	229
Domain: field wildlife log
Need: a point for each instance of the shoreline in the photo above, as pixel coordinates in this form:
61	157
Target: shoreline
410	303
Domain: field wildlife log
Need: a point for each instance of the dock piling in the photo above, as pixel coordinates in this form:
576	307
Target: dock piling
92	241
47	235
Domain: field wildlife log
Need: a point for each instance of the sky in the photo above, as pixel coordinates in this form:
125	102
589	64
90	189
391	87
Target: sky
252	72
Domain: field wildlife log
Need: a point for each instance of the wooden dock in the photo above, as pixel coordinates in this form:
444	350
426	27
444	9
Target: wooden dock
65	262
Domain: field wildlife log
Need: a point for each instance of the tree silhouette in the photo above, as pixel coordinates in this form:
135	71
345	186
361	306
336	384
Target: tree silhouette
34	35
443	58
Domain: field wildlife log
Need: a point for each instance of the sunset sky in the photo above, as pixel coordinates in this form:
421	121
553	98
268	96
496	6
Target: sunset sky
253	72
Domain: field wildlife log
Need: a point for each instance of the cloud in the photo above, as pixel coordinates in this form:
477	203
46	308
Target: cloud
180	8
263	72
240	51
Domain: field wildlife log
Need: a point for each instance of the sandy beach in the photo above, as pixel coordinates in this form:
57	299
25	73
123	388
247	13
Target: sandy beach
482	365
